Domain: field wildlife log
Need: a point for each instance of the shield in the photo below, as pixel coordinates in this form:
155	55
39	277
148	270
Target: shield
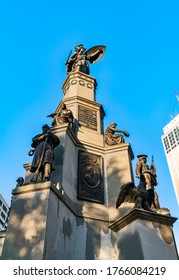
95	53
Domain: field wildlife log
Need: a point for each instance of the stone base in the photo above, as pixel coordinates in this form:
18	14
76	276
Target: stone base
45	224
144	235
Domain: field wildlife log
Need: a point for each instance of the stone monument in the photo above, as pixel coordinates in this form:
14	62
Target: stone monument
75	207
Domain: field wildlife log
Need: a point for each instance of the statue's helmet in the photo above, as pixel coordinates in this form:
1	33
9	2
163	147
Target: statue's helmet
80	47
45	126
113	123
142	156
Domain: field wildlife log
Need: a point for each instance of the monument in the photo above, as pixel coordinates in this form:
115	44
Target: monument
78	200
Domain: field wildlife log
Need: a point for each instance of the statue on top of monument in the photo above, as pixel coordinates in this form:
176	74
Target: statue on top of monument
111	138
43	160
79	59
64	115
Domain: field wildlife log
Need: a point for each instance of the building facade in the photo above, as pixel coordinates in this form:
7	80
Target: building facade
4	213
170	140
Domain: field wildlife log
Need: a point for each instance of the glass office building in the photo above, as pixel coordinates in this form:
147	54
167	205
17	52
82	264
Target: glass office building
170	140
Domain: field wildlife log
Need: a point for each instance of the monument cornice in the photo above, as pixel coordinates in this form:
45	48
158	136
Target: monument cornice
85	211
140	214
83	100
119	148
79	75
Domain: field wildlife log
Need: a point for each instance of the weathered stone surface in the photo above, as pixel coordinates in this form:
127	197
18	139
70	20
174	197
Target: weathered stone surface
146	235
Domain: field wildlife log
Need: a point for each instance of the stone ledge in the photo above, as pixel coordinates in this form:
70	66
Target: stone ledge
136	213
78	210
119	147
78	75
32	187
84	211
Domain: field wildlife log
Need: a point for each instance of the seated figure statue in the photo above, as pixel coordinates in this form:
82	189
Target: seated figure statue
64	115
111	138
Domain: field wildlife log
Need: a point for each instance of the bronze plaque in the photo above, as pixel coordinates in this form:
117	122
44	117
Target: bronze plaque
87	117
90	179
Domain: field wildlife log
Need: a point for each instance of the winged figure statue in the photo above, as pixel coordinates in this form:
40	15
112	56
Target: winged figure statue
78	61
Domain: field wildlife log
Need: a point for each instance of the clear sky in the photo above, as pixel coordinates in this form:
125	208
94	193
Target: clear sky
136	77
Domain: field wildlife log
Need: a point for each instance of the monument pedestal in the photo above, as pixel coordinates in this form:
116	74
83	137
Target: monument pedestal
144	235
73	216
25	234
45	224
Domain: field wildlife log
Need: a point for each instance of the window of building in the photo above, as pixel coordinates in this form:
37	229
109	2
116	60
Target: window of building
171	138
0	202
4	208
176	133
166	143
3	216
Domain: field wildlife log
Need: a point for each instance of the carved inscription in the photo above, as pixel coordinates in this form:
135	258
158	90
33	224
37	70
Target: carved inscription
90	180
87	117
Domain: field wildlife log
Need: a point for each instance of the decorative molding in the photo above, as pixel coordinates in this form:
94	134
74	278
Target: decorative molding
79	76
81	82
83	211
73	82
136	213
89	86
32	187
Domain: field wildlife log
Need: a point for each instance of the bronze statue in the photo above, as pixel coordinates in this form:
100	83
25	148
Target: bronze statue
79	59
148	176
111	138
43	160
64	116
20	181
132	194
144	195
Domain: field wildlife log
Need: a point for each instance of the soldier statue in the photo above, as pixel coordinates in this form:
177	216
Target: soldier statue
148	175
79	59
43	160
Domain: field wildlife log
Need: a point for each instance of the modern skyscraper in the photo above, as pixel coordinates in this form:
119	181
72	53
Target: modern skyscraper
4	212
170	141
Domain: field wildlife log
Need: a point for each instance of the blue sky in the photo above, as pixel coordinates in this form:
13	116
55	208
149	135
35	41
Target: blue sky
136	77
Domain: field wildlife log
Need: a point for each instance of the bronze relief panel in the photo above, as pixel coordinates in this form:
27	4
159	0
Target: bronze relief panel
90	177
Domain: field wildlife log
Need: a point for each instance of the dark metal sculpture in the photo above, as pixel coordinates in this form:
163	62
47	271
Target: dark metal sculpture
111	138
148	175
64	116
132	194
79	59
43	160
20	181
90	182
144	195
